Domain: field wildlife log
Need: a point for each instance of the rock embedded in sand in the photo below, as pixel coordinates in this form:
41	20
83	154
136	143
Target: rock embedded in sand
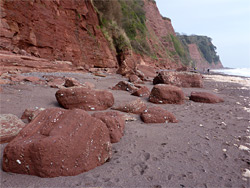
166	94
157	115
114	121
180	79
135	107
142	91
71	82
10	125
135	79
58	143
30	113
205	97
125	86
84	98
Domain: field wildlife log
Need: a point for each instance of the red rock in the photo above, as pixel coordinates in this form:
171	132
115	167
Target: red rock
30	113
143	91
56	83
180	69
163	94
58	143
125	86
32	79
71	82
135	79
114	121
84	98
158	115
57	22
205	97
10	125
17	78
180	79
136	107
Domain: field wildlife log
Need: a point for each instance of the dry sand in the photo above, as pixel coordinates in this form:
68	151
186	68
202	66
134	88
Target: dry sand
209	147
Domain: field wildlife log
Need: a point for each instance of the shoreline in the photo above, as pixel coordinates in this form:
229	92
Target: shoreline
205	149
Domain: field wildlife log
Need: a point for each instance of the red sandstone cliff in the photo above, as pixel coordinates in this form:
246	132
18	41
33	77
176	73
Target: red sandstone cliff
56	30
199	61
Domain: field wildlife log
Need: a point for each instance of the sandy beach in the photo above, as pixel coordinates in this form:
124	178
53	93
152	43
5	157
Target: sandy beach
208	147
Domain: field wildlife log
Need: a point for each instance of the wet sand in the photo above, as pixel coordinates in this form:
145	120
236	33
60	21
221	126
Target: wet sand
207	148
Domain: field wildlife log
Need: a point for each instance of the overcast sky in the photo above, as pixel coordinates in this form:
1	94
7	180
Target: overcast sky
227	22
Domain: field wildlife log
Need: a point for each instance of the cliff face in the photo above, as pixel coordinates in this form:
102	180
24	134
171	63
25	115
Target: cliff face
60	29
199	61
94	33
202	51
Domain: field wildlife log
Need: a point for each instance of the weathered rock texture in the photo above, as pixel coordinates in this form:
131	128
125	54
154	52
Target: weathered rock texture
205	97
58	143
163	94
158	115
125	86
62	30
135	107
180	79
114	121
10	125
200	62
30	113
142	91
85	98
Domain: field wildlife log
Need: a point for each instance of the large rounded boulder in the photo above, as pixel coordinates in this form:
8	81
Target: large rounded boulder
58	142
204	97
166	94
180	79
85	98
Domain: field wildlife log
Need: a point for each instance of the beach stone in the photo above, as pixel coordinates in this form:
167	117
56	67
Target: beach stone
71	82
32	79
10	125
180	79
58	142
114	121
143	91
166	94
56	83
84	98
157	115
135	107
135	79
205	97
125	86
30	113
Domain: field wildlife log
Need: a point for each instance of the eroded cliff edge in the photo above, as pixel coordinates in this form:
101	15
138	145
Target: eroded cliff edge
94	34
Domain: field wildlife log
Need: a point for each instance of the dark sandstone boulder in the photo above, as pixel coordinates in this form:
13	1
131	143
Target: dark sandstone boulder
157	115
114	121
10	125
135	107
180	79
58	142
85	98
125	86
205	97
163	94
143	91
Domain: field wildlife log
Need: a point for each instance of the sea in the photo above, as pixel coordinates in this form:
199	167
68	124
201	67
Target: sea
234	72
